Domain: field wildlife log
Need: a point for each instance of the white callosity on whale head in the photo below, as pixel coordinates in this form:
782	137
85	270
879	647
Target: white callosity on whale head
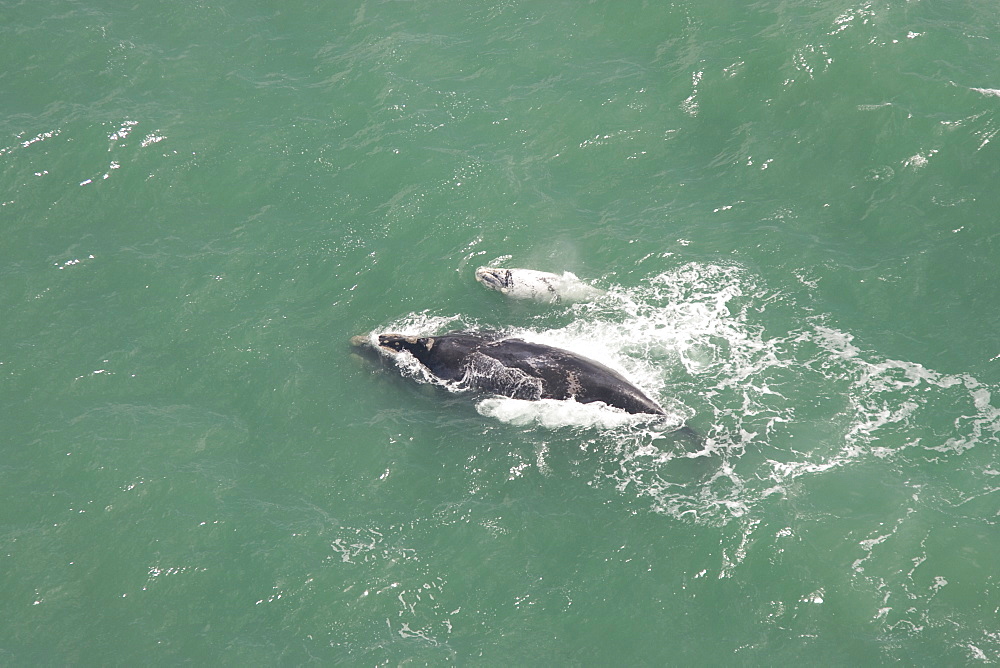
539	286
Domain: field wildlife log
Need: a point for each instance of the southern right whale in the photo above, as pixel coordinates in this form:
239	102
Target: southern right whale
514	368
540	286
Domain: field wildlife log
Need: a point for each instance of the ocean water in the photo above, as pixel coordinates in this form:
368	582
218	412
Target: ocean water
792	207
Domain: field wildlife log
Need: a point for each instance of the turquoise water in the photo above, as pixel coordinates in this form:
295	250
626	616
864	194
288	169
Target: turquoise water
793	205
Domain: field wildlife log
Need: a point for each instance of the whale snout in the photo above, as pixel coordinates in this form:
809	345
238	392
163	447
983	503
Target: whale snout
494	279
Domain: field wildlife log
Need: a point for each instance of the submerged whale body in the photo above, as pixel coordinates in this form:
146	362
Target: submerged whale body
520	370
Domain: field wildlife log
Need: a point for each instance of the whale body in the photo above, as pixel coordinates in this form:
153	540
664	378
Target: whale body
518	369
540	286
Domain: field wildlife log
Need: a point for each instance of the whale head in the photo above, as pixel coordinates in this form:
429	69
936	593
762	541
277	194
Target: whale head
418	346
445	355
500	280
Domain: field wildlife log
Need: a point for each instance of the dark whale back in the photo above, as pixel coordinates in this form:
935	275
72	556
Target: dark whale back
521	370
566	374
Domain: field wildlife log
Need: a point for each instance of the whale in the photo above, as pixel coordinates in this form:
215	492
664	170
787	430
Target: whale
492	363
540	286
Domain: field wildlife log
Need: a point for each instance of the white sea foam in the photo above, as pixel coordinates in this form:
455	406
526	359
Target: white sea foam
553	414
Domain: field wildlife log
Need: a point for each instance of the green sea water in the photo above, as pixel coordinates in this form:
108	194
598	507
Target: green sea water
792	205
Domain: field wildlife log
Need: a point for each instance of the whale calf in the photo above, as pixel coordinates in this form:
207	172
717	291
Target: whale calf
540	286
518	369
